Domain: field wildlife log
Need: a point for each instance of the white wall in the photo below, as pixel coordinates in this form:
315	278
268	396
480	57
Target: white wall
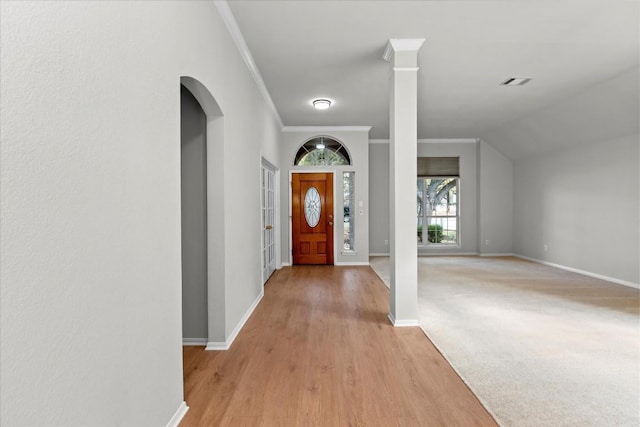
482	171
576	161
495	200
90	203
379	198
357	144
583	204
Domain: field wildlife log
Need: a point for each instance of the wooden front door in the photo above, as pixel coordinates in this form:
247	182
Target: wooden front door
312	218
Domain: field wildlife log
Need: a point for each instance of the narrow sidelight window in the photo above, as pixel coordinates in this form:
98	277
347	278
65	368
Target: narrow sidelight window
349	210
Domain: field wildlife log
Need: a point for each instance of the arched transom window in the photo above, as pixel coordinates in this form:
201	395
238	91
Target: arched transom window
322	151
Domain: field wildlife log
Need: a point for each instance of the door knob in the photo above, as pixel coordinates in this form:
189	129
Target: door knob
330	223
268	227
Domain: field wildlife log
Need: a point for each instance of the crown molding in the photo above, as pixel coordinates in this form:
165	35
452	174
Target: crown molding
396	45
232	26
326	128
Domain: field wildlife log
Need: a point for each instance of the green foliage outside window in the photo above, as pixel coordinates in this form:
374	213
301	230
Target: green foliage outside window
434	233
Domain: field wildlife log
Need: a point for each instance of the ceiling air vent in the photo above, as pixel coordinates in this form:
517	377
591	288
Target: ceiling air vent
515	81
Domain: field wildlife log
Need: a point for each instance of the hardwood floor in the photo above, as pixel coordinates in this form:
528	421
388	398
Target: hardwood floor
320	351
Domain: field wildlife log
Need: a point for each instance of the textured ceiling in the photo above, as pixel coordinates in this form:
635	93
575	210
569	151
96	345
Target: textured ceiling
333	49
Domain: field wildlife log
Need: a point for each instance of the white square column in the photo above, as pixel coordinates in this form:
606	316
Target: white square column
403	154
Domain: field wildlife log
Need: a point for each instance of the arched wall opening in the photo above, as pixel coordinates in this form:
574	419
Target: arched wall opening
203	260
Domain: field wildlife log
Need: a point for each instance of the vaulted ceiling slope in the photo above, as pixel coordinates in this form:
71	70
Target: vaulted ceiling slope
604	112
333	49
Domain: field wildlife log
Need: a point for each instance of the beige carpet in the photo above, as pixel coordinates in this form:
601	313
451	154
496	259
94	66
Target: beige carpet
539	346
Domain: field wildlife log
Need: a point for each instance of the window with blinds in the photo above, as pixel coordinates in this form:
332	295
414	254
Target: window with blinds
438	166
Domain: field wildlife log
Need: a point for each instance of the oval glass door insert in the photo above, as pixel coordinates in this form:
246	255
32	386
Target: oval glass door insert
312	207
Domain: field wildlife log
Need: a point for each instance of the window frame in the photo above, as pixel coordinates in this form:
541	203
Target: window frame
425	243
352	208
334	148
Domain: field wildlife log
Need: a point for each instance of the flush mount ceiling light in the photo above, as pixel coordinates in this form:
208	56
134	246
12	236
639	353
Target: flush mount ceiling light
515	81
321	104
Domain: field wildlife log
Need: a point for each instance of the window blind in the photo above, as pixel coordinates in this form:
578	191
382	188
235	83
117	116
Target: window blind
438	166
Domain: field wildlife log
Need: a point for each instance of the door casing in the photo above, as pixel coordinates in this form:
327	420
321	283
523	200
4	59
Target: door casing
269	237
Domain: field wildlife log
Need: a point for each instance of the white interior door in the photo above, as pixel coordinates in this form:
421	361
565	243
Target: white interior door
268	222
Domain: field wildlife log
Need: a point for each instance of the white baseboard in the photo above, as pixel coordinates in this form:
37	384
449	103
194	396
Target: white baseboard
451	254
286	264
497	255
447	254
347	263
194	341
217	345
402	323
179	415
583	272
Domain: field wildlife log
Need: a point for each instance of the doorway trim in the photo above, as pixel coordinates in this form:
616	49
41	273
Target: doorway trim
276	212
